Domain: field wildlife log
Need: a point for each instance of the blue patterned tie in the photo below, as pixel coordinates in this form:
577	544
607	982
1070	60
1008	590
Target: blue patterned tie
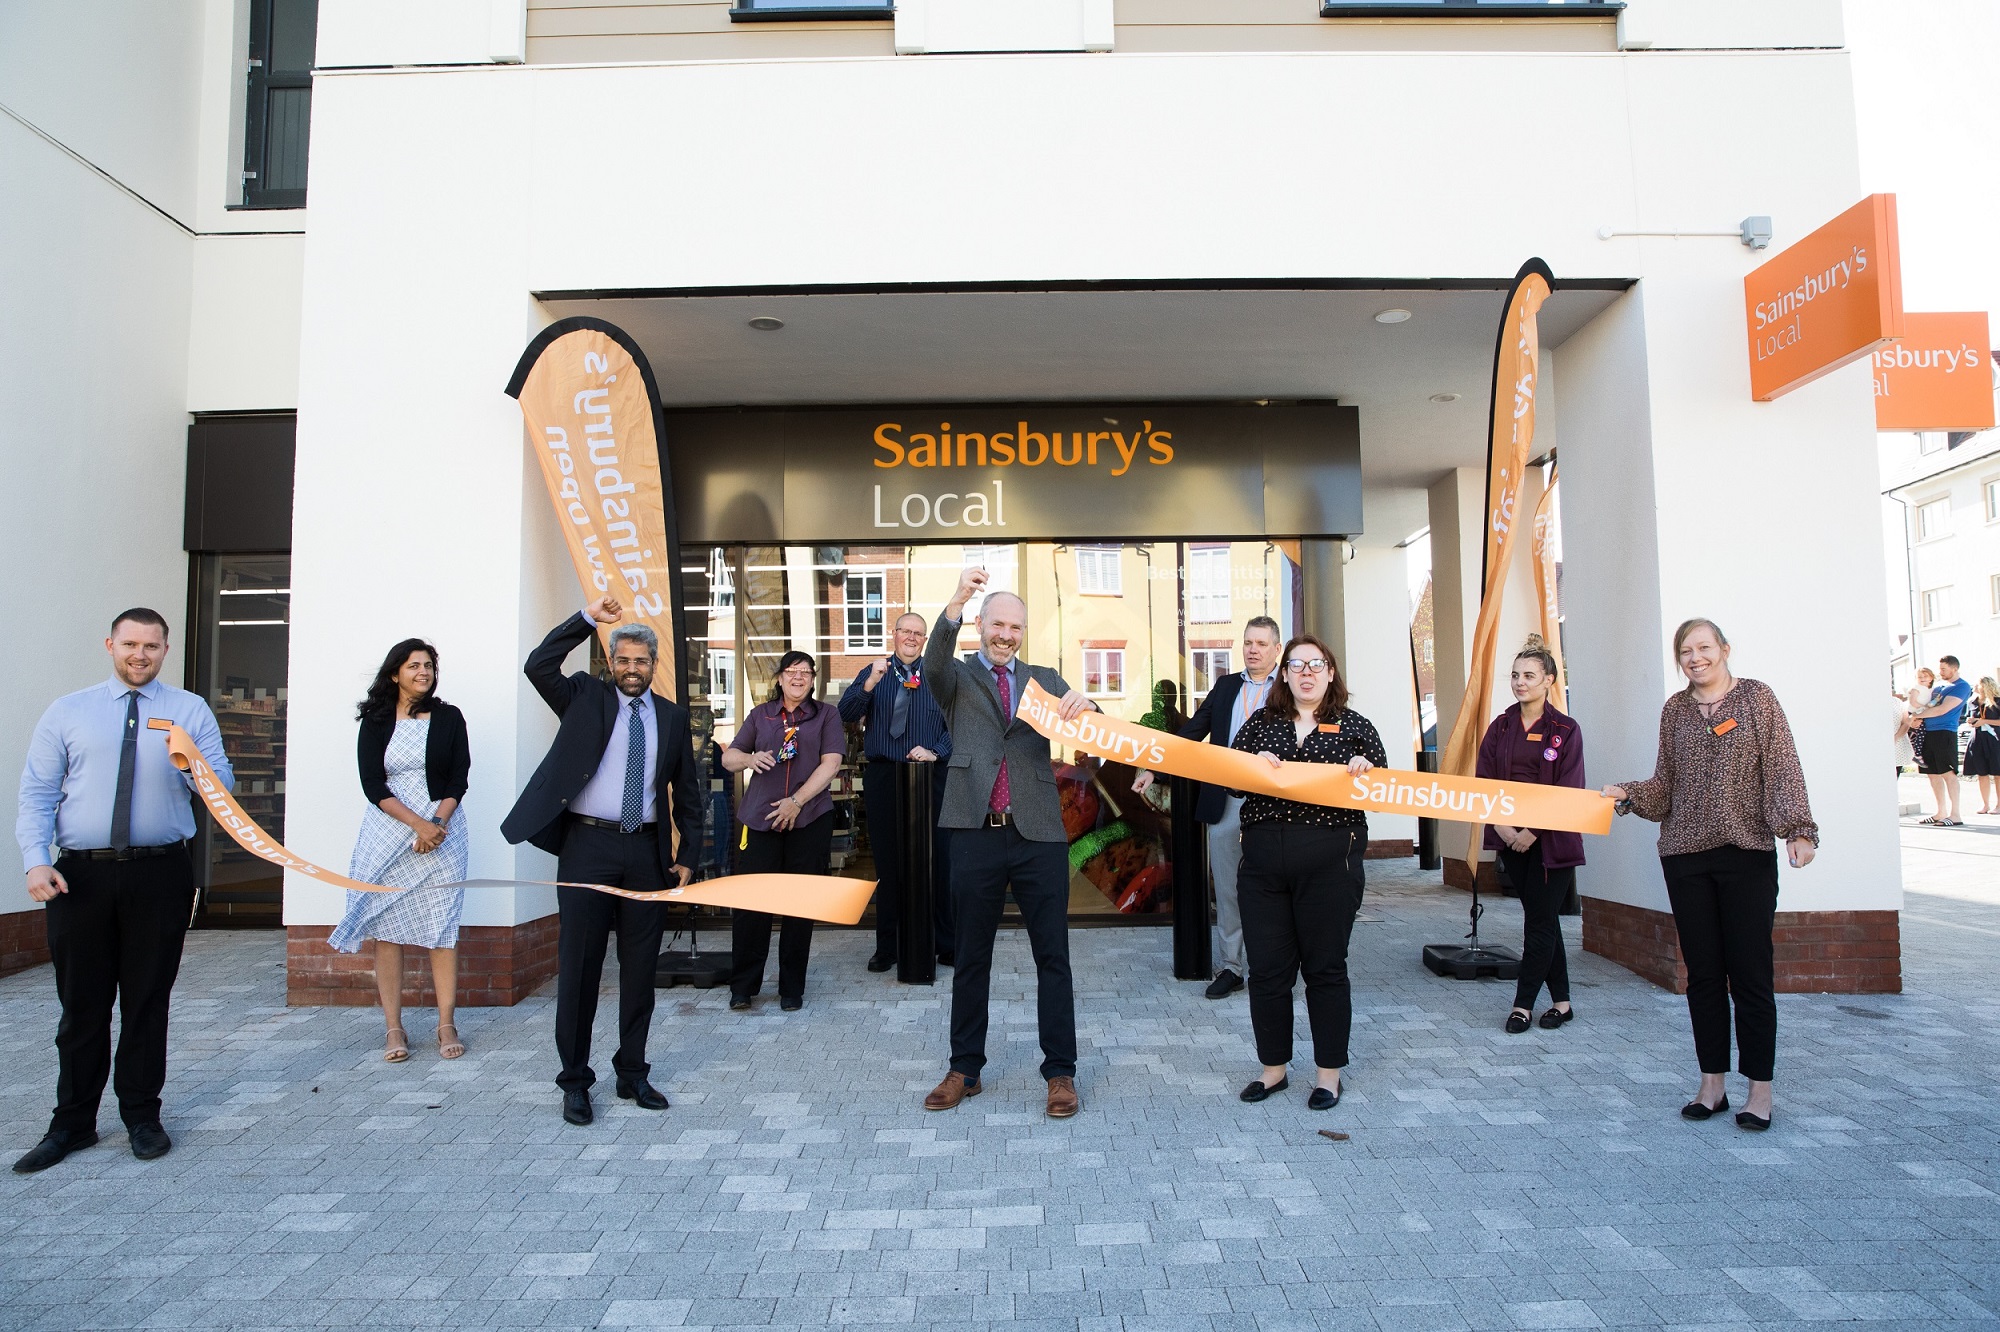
631	811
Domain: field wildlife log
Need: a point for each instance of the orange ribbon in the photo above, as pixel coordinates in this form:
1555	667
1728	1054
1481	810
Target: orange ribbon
814	896
1379	790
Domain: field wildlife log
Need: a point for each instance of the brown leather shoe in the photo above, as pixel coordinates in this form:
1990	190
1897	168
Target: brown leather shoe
1063	1100
955	1088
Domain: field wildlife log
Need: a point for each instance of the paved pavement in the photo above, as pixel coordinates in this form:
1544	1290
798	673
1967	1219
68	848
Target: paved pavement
1490	1181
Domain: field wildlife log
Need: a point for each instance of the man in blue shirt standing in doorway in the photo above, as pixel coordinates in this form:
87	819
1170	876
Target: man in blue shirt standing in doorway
100	792
1937	742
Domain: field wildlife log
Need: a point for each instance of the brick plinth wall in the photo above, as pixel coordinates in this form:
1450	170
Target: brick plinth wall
1817	952
1390	848
24	940
498	966
1457	876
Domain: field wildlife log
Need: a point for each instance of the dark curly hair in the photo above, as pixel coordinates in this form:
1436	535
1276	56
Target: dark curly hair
380	705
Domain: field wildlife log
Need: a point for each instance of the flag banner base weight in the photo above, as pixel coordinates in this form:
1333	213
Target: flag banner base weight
1470	963
704	971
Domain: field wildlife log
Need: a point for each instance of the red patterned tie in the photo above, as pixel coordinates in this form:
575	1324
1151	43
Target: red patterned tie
1002	801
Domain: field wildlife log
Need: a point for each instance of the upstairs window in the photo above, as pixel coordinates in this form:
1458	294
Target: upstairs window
1934	519
865	601
1208	585
277	118
1098	573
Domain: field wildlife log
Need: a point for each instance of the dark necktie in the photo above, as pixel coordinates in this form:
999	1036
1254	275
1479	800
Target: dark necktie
899	715
128	760
1002	799
632	809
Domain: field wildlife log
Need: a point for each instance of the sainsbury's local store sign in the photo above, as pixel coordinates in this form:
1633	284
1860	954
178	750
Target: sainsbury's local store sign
1025	472
1827	301
1937	376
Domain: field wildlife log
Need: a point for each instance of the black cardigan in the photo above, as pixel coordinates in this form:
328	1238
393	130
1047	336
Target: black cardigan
447	759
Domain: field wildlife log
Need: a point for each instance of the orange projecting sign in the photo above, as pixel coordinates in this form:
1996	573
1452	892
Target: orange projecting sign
1827	301
1937	376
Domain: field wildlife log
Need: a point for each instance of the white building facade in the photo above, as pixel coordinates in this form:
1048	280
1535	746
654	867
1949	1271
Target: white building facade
1069	202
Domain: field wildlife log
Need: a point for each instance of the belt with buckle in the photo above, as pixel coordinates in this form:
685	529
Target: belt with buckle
1004	819
119	852
613	824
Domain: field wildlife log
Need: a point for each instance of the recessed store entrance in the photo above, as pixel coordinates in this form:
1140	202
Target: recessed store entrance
1143	627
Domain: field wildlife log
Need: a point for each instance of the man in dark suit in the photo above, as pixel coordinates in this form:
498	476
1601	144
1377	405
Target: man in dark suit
1231	702
594	804
1006	825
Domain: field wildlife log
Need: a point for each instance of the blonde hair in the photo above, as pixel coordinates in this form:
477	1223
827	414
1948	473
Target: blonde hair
1689	626
1988	691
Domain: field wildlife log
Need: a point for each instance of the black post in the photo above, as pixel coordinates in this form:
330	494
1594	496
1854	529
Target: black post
1188	845
916	959
1427	829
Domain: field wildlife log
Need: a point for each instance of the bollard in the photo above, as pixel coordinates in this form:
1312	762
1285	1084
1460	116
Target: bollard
1188	846
1427	829
916	960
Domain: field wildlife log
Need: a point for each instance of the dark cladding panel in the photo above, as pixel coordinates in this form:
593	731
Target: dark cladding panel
239	483
1312	477
729	474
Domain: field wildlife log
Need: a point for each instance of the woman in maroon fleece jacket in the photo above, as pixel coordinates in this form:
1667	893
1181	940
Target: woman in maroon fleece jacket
1532	742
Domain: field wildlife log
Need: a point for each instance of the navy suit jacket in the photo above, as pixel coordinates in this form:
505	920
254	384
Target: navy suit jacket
1211	722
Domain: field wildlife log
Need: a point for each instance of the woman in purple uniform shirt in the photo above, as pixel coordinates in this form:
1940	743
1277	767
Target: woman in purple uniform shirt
1532	742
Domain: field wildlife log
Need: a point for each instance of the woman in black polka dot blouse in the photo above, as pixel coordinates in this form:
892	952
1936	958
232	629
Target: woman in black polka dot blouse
1300	884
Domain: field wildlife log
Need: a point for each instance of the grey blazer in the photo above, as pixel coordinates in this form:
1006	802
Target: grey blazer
979	737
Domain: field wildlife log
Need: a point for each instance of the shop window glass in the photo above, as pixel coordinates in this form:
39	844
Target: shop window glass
722	685
277	119
1208	585
1937	607
1933	519
1002	574
1104	672
1098	571
240	642
1206	666
866	628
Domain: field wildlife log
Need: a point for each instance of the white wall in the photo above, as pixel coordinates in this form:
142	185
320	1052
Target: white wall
244	326
443	199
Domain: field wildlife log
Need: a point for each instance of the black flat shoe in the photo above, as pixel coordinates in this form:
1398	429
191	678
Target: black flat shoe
57	1144
1696	1110
1322	1099
643	1094
576	1108
1257	1091
149	1141
1750	1122
739	1003
881	962
1554	1018
1517	1022
947	958
791	1003
1226	983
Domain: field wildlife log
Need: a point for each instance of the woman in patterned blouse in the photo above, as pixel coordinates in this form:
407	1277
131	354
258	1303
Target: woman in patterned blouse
1726	784
1300	884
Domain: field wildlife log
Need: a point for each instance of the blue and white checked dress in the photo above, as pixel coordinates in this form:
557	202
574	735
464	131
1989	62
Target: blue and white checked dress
425	915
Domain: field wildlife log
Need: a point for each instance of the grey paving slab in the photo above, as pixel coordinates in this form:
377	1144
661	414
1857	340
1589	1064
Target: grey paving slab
1489	1181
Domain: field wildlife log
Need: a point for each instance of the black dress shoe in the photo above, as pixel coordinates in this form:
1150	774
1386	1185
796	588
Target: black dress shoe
149	1141
947	958
1696	1110
739	1003
791	1003
1555	1017
576	1107
52	1148
881	961
645	1094
1755	1124
1226	982
1257	1091
1322	1099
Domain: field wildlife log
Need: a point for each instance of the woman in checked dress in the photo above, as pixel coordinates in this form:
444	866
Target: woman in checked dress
414	763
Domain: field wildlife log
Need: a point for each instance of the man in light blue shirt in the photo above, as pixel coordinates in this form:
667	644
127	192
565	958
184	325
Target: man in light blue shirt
103	828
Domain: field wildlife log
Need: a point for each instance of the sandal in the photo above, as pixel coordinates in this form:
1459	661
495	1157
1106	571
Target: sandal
449	1049
398	1048
1932	822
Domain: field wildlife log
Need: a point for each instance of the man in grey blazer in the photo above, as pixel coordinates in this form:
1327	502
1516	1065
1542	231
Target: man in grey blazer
1005	822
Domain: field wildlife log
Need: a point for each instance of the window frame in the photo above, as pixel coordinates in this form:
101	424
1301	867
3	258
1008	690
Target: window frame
1111	556
1943	592
849	607
1940	504
1199	603
1472	9
1989	497
747	11
1217	661
259	81
1104	670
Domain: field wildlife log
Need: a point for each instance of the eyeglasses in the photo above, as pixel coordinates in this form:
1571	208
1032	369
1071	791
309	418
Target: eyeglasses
798	673
1308	666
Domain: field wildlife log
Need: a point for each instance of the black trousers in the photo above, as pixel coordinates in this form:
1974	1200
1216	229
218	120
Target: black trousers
116	935
804	850
881	798
1299	889
623	860
1725	901
984	863
1543	892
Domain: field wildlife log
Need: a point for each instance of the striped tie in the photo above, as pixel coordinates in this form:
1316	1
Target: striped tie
632	809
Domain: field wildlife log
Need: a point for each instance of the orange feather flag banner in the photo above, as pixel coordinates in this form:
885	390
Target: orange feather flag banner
1379	790
816	896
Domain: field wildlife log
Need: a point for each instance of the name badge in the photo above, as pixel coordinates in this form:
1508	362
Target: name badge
1535	736
159	724
1329	728
1723	729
